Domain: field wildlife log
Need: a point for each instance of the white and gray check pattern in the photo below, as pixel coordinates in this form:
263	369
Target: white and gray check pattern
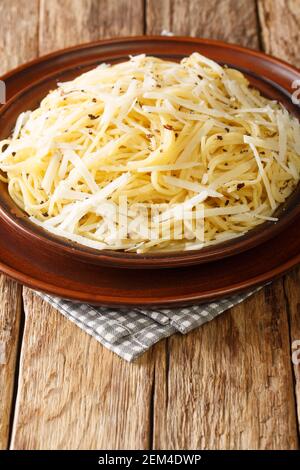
130	332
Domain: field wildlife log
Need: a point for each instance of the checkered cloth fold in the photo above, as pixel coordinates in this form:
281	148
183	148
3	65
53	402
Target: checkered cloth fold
130	332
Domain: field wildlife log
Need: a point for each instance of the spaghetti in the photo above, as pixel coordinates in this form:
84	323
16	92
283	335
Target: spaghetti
153	132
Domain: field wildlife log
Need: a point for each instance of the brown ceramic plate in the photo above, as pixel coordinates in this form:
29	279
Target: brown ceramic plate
43	264
70	278
30	83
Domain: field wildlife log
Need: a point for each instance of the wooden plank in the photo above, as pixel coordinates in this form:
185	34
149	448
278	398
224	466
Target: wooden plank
19	32
291	284
70	22
10	315
17	44
280	28
227	20
227	385
73	393
280	32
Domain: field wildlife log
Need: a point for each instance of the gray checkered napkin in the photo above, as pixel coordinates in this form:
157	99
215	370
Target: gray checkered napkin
130	332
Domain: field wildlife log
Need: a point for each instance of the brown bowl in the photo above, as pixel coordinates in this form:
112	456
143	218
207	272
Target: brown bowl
271	76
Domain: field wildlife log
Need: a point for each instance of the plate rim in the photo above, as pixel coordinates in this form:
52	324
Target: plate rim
124	39
171	301
162	260
174	299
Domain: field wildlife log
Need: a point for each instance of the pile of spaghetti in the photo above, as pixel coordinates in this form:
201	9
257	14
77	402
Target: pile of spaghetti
153	132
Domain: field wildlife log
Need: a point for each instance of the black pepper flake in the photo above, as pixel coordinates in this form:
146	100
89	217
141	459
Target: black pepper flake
199	76
94	100
263	153
4	147
224	150
92	116
13	154
168	127
226	129
240	186
158	85
226	164
227	202
176	134
219	137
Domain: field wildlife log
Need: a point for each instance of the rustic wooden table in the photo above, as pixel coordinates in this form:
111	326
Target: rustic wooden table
229	385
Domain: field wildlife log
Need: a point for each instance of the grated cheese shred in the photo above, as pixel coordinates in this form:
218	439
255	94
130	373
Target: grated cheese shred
154	132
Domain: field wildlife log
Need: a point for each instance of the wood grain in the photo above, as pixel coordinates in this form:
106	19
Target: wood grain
228	20
280	28
13	52
228	384
10	314
280	32
291	284
19	32
75	394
